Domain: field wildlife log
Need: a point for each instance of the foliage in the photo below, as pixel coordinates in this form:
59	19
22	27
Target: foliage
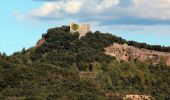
51	71
74	26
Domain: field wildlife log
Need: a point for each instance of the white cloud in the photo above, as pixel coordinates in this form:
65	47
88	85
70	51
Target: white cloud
156	9
57	9
105	4
74	6
46	9
102	10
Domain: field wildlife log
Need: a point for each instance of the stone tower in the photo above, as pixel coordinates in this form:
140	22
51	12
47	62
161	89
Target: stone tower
81	28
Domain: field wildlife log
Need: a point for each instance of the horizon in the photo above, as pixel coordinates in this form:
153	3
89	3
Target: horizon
23	22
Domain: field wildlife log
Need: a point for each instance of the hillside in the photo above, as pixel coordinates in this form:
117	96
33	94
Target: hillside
64	66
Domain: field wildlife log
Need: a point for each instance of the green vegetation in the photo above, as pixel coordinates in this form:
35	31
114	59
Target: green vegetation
51	71
75	27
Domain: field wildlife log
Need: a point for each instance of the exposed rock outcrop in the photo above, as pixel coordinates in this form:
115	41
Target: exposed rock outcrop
128	96
40	42
128	53
137	97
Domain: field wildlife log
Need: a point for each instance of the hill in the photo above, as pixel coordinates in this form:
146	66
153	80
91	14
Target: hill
64	66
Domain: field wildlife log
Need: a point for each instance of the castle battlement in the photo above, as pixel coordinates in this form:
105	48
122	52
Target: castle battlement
82	29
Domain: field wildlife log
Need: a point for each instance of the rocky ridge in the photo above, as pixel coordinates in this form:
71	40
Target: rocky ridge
40	42
123	52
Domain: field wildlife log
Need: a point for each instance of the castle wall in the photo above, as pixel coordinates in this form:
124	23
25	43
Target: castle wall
82	30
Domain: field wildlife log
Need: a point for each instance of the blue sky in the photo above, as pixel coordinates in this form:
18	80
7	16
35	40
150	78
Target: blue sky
23	22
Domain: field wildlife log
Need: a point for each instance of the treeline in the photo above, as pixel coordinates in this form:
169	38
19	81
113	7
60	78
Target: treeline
149	47
131	43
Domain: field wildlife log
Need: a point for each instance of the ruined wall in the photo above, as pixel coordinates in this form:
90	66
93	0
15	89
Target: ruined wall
82	29
127	53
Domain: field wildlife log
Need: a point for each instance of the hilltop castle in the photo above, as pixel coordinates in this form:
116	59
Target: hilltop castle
82	29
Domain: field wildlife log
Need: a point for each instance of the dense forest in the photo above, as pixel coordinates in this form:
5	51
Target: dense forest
52	70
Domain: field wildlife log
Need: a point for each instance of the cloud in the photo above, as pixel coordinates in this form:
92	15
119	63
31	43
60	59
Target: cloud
105	4
73	6
56	10
107	12
153	9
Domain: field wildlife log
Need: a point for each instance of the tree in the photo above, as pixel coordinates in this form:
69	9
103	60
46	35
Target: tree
23	50
4	54
75	27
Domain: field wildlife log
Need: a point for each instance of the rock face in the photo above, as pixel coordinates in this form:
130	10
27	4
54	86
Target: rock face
40	42
82	29
137	97
128	96
127	53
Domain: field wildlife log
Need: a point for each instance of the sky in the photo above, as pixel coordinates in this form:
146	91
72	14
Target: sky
22	22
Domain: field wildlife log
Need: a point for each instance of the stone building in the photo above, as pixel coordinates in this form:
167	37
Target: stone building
82	29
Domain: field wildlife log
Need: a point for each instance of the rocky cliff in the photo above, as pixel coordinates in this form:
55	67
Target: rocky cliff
123	52
40	42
